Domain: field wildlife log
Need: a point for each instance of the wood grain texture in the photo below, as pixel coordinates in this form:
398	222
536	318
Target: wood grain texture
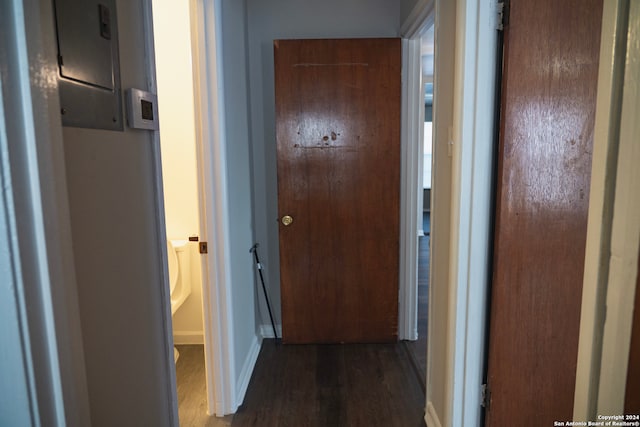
632	395
332	386
338	141
544	167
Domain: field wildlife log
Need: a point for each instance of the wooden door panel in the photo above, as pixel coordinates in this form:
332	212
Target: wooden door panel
338	139
547	117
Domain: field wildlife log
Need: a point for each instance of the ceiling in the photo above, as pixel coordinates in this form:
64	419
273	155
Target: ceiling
426	51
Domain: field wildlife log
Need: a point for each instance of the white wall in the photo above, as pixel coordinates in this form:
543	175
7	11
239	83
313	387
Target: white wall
282	19
172	36
236	128
174	73
116	243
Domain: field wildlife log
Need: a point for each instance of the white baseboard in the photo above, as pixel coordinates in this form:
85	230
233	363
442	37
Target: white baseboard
188	337
247	369
431	416
266	331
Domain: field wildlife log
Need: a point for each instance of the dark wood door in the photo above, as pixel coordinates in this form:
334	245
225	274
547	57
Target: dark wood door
547	119
338	138
632	394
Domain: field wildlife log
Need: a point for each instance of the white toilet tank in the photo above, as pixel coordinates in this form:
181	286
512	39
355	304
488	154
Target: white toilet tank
179	257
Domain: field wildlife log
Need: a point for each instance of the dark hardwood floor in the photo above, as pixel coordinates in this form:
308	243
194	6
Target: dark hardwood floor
418	349
348	385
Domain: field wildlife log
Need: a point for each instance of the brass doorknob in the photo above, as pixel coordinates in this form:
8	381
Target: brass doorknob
287	220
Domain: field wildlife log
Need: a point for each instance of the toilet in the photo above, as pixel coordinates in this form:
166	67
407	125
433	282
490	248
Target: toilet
179	276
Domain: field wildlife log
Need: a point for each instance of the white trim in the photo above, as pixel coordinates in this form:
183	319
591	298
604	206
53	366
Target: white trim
439	240
266	331
217	394
216	292
421	17
471	210
625	235
431	418
188	338
247	369
160	224
419	177
19	406
409	188
602	188
218	323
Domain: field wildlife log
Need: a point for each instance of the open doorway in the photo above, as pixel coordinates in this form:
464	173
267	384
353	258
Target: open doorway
418	348
179	145
426	66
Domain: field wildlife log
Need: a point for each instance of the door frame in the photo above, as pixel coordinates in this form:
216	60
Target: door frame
613	231
411	139
473	121
206	39
472	24
625	233
161	227
412	115
471	146
206	18
472	188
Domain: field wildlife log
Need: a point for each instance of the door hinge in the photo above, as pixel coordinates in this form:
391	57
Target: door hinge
485	396
502	10
60	61
203	247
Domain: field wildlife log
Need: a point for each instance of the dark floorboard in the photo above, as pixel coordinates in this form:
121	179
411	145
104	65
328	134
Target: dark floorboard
348	385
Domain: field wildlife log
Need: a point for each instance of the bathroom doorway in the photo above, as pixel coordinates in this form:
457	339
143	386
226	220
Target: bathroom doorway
183	204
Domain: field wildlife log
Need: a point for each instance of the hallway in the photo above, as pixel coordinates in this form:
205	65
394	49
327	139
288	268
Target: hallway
332	386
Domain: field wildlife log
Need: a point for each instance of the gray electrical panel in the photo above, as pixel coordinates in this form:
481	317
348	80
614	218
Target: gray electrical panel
89	65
